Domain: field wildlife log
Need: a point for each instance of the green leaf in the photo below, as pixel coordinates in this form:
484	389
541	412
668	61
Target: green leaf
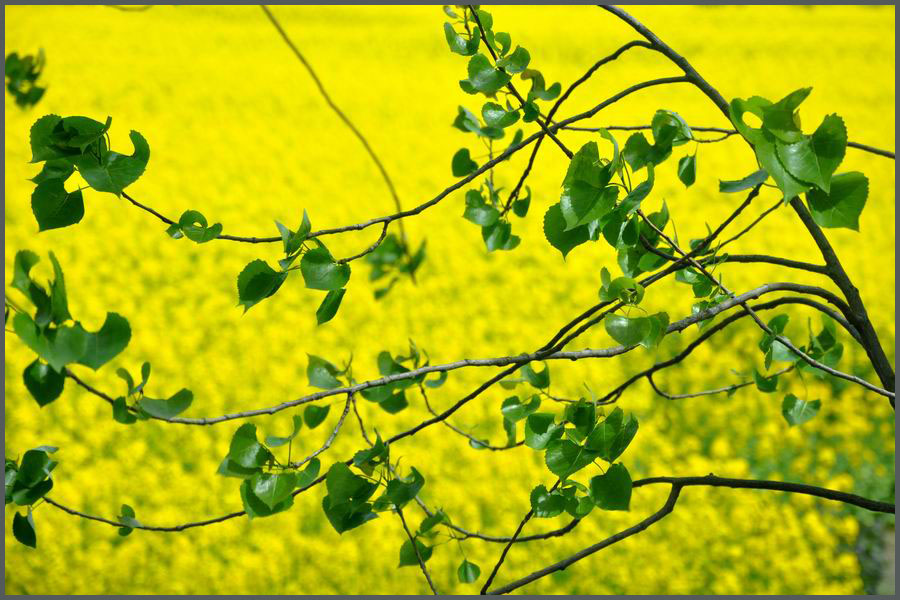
114	172
194	226
622	439
401	491
540	430
256	507
408	556
814	159
789	185
121	413
329	306
603	438
520	205
513	409
843	205
462	164
556	232
34	467
314	415
515	62
565	457
107	343
612	490
176	404
539	380
43	146
54	207
627	331
309	474
245	450
765	384
59	303
429	523
272	488
687	170
257	282
499	236
58	168
59	347
669	129
458	43
23	529
750	181
546	505
321	373
345	505
274	441
484	77
321	272
468	572
780	119
496	116
478	211
44	384
659	323
21	280
797	411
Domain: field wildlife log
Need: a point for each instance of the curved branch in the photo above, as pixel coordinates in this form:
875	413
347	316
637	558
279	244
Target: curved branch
412	541
368	250
328	442
729	388
726	133
678	483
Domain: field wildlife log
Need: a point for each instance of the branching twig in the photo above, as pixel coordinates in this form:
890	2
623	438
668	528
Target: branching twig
328	442
412	540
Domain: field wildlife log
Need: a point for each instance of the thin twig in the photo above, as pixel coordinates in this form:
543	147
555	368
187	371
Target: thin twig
412	540
328	442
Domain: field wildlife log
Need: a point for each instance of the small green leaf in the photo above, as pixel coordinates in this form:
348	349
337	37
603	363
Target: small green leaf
687	170
113	172
23	529
565	457
478	211
627	331
329	306
539	380
484	77
245	450
408	556
309	474
121	413
314	415
272	488
256	507
797	411
166	409
612	490
321	373
54	207
107	343
401	491
514	410
462	164
458	43
515	62
750	181
843	205
44	384
257	282
546	505
274	441
468	572
497	116
765	384
556	232
540	430
321	272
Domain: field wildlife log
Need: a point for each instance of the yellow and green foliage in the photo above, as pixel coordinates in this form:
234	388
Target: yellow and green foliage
239	132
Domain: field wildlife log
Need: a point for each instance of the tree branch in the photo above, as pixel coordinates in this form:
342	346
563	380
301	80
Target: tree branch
412	540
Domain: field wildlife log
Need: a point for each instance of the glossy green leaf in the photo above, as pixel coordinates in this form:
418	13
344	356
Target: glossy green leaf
256	507
401	491
612	490
565	457
59	347
780	118
43	383
750	181
537	379
54	207
176	404
843	205
546	505
121	413
556	232
314	415
478	211
257	282
484	77
462	164
540	430
514	410
765	384
789	185
468	572
499	236
245	450
107	343
113	172
797	411
272	488
321	272
497	116
321	373
687	170
408	556
458	43
627	331
23	529
516	62
329	306
345	505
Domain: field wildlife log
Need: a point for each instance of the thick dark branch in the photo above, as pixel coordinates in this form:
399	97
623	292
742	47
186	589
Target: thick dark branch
678	483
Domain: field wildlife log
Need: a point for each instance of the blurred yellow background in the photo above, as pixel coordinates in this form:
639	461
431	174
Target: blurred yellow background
238	131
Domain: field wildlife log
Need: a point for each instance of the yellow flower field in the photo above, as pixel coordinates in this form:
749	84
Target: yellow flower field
238	131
